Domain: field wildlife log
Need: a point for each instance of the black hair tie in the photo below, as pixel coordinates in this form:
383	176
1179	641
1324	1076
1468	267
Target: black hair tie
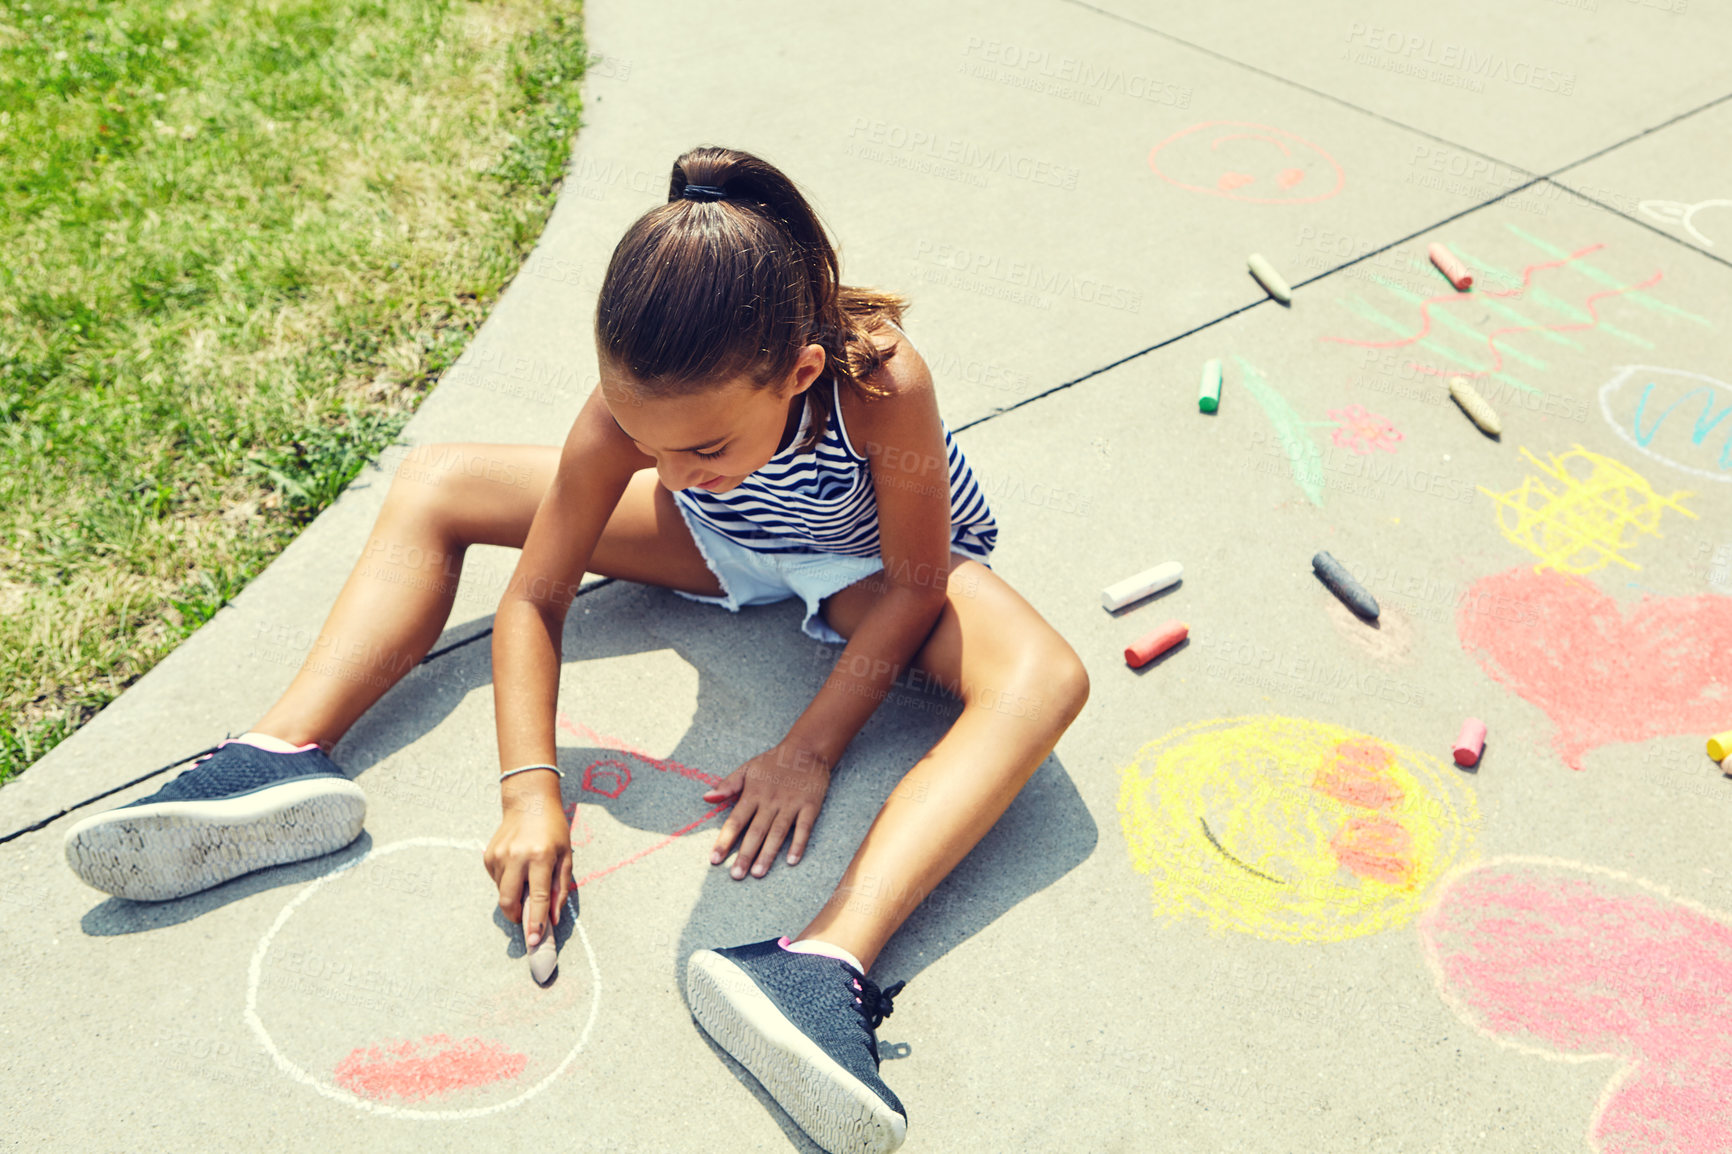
702	192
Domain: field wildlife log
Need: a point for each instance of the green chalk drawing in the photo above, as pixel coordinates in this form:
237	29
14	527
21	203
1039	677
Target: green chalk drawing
1544	299
1296	443
1359	306
1451	320
1606	278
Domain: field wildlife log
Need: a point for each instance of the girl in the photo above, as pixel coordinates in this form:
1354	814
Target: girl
760	431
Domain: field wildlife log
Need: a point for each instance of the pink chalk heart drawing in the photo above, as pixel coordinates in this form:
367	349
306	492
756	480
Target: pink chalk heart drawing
1601	675
1578	963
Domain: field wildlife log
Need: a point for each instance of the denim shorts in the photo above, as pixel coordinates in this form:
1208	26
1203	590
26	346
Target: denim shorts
749	577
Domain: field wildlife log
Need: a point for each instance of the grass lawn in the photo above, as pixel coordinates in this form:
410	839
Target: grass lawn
240	242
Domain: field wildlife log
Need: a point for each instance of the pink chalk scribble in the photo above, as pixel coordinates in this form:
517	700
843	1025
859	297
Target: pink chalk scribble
1591	304
432	1067
1575	962
617	776
1601	676
1363	432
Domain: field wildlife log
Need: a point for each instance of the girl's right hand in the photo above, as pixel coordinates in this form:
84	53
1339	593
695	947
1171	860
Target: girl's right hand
529	858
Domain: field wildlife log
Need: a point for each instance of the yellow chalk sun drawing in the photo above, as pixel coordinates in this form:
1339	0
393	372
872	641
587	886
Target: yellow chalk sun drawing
1291	829
1580	526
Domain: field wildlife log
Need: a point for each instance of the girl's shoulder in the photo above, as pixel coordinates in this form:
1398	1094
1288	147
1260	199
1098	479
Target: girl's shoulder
902	374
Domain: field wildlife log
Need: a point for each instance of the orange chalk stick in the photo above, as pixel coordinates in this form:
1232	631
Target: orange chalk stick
1449	266
1727	766
1150	646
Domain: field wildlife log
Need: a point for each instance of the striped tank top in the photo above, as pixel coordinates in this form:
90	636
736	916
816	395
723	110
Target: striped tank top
821	500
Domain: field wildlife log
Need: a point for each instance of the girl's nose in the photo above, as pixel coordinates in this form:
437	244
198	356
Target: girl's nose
674	477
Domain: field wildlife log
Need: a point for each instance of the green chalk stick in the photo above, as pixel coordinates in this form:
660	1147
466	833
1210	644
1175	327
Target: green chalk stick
1209	396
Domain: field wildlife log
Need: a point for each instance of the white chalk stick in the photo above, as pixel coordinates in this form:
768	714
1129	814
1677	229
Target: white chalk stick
1118	595
1269	278
544	959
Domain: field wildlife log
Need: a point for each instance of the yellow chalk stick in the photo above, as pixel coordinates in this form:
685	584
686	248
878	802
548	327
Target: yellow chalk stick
1474	405
1720	746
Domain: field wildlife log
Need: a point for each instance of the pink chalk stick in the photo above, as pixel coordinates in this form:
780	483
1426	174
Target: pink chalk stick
1449	266
1471	743
1150	646
1727	765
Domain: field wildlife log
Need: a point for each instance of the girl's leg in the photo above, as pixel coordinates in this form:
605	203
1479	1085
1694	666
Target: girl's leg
394	605
1021	684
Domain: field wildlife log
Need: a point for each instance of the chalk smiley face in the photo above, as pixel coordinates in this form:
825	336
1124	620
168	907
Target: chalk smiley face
1291	829
1246	161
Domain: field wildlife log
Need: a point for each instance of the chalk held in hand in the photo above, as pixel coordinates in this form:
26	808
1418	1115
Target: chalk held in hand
1449	266
1209	395
1150	646
1342	584
1269	278
1136	588
1720	746
544	959
1475	406
1471	743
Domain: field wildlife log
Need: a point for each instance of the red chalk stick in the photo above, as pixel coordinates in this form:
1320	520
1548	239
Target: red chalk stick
1471	743
1450	267
1145	649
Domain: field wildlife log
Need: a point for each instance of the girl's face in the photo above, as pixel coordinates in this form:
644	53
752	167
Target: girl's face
716	438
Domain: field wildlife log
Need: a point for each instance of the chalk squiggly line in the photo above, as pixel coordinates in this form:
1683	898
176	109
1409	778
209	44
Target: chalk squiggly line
1491	337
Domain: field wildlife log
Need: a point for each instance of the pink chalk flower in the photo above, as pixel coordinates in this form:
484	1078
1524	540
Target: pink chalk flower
1361	432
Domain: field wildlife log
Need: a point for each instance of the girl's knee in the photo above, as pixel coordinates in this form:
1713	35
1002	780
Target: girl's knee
1065	676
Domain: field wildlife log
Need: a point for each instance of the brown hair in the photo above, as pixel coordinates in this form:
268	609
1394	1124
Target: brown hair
702	291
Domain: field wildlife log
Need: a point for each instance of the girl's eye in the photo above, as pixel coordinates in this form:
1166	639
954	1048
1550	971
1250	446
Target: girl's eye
714	455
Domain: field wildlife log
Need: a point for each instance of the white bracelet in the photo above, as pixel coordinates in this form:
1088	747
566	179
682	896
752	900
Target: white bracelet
527	768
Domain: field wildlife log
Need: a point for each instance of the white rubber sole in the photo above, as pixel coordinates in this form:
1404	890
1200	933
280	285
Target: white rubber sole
832	1106
152	853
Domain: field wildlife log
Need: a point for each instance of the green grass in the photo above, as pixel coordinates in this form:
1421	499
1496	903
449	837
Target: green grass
241	240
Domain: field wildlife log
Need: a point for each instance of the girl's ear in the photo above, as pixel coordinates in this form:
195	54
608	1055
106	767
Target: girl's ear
807	369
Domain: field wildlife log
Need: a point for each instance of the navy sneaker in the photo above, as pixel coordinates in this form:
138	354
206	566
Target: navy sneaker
238	809
805	1026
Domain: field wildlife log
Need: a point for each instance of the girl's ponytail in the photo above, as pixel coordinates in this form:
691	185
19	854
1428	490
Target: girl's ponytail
704	289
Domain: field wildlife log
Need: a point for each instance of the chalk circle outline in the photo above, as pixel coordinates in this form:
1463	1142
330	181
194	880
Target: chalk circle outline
1622	377
256	968
1167	837
1340	173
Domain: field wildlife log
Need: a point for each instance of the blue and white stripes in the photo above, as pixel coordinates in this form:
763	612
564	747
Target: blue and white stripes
822	501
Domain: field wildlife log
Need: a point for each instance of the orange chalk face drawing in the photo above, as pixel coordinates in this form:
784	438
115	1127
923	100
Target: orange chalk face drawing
1243	160
1290	829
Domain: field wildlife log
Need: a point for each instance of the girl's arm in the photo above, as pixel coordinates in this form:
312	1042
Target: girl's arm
532	847
902	438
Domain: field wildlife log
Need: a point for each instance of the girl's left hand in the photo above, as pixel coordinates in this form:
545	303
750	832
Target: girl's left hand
779	789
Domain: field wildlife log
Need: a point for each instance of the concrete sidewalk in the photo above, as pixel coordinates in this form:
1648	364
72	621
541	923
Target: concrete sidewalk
1248	904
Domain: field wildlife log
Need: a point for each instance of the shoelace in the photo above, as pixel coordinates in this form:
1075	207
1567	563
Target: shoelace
873	1004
